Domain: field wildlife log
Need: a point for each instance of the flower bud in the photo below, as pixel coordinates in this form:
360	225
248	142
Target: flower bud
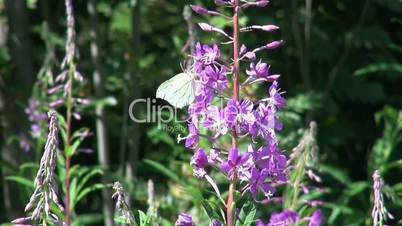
250	55
205	27
243	49
221	2
269	28
198	9
273	45
262	3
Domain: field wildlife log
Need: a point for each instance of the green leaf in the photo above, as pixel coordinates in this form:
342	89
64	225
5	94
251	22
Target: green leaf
89	189
212	210
73	193
143	218
356	188
336	173
161	168
379	67
121	18
88	219
73	148
92	173
21	180
247	214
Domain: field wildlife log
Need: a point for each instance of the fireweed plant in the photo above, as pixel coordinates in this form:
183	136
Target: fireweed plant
258	170
44	206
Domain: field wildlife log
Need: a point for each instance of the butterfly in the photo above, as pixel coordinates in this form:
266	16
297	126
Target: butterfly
179	91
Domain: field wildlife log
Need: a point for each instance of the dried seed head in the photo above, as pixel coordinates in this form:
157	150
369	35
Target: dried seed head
44	194
379	213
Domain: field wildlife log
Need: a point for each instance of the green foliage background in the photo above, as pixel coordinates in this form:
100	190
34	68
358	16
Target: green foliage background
340	65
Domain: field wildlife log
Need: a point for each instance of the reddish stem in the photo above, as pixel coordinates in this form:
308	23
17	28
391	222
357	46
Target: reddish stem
67	145
230	204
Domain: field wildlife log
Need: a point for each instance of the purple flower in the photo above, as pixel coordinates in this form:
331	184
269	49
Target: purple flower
284	218
266	122
214	77
24	143
203	95
184	219
234	162
35	117
35	130
275	96
215	223
274	162
213	156
316	218
259	70
205	55
199	161
239	115
216	121
258	182
192	137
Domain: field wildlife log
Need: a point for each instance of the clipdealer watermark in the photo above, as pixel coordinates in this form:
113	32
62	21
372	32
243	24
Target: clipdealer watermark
163	115
168	118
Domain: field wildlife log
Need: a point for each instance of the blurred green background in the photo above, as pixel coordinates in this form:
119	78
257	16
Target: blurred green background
340	65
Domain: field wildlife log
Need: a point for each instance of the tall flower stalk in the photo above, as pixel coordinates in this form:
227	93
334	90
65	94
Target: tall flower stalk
379	213
44	195
257	170
230	205
69	62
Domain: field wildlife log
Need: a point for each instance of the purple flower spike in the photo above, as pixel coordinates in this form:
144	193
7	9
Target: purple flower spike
199	161
184	219
316	218
198	9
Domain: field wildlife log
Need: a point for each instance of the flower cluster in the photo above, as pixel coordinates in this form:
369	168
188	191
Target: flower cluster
213	115
262	168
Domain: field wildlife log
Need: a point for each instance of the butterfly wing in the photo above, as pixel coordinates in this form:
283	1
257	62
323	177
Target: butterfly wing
178	91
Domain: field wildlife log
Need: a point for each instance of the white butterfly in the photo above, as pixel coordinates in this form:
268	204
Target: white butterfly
179	91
